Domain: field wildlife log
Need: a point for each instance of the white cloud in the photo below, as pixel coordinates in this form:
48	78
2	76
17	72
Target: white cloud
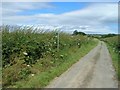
10	8
96	17
97	12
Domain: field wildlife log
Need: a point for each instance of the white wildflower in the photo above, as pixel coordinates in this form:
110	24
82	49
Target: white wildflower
61	56
25	53
32	74
28	65
54	42
50	49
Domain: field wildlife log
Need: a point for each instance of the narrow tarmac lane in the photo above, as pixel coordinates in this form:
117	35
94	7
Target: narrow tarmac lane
94	70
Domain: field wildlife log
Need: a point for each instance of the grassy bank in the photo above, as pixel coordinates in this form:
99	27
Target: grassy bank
114	59
32	58
43	79
114	49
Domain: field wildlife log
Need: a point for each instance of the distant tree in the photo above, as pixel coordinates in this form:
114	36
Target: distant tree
75	32
108	35
81	33
78	33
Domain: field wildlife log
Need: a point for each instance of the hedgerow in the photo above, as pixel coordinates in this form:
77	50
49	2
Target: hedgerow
25	46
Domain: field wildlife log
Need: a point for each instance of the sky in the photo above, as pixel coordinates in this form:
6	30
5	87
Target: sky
89	17
60	0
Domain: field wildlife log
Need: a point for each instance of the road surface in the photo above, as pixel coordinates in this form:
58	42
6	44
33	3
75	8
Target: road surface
94	70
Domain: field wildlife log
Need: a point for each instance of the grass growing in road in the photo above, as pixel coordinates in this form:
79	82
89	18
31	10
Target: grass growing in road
31	58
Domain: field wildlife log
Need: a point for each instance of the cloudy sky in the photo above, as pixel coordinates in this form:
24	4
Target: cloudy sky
66	16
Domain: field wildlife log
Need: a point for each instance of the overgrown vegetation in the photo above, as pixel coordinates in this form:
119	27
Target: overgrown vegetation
32	54
113	44
108	35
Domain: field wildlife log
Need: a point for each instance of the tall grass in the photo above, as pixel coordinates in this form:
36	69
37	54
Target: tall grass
27	51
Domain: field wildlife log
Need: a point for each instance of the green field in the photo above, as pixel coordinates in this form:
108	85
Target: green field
32	59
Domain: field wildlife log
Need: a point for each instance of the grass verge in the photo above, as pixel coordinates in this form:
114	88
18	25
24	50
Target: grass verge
115	59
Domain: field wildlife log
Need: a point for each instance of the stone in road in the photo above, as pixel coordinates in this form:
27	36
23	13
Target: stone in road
94	70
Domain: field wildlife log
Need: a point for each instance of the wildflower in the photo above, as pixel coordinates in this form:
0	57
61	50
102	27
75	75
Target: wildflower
25	53
61	56
49	49
78	43
28	65
56	36
54	42
32	74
